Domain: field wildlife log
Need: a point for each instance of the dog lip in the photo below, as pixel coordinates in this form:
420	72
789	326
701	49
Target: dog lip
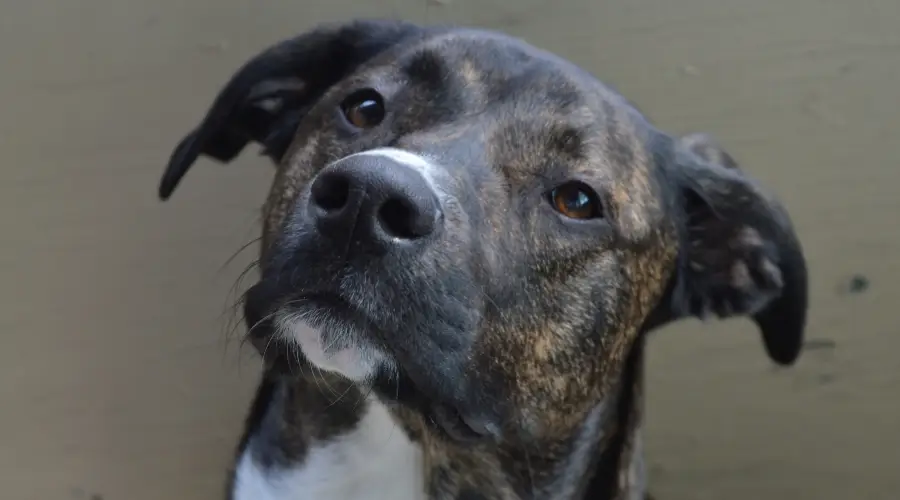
449	416
335	305
328	299
265	298
446	416
332	303
461	426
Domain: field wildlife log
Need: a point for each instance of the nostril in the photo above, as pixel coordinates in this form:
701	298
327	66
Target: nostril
331	192
401	219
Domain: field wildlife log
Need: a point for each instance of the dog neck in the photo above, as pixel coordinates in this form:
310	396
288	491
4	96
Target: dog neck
320	436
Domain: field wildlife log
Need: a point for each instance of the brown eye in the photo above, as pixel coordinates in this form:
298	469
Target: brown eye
364	109
576	201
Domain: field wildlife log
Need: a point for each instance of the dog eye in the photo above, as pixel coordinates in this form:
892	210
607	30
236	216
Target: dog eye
364	108
576	200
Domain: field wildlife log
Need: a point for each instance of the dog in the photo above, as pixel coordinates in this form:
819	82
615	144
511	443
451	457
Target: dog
465	245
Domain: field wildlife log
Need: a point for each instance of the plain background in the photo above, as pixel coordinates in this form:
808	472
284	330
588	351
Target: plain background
117	376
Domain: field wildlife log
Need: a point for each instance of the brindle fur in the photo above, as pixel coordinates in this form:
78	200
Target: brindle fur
547	324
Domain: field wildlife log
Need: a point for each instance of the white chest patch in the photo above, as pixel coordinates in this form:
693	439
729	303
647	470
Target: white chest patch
375	461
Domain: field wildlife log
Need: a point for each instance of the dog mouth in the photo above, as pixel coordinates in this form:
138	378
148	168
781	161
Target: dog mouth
445	418
335	335
323	326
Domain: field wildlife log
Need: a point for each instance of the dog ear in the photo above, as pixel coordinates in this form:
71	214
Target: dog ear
740	255
266	98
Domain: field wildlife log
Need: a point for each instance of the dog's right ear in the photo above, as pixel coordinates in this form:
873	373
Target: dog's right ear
267	97
739	253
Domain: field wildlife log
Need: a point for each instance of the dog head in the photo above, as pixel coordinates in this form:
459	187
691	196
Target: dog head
474	225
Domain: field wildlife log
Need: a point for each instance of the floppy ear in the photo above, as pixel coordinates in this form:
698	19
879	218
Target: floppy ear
267	97
739	254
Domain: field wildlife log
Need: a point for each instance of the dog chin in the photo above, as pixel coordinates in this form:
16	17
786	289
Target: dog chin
330	347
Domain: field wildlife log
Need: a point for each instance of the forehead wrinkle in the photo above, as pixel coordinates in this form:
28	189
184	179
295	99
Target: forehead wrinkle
526	147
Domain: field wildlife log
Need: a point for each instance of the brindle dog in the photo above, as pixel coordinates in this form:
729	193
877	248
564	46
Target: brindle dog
465	244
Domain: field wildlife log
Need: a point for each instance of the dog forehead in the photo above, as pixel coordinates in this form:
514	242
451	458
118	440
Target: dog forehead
499	65
521	93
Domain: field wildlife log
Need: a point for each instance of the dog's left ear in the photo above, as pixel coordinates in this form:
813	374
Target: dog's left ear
739	254
265	100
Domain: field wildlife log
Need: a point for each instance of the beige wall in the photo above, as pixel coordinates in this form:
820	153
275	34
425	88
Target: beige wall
116	374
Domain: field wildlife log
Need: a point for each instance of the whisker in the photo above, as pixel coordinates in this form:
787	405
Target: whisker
364	397
317	376
266	348
240	250
235	319
340	396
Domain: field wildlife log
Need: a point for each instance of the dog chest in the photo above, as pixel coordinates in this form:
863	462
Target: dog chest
375	461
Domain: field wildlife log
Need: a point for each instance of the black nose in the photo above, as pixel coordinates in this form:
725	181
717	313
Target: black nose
374	201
